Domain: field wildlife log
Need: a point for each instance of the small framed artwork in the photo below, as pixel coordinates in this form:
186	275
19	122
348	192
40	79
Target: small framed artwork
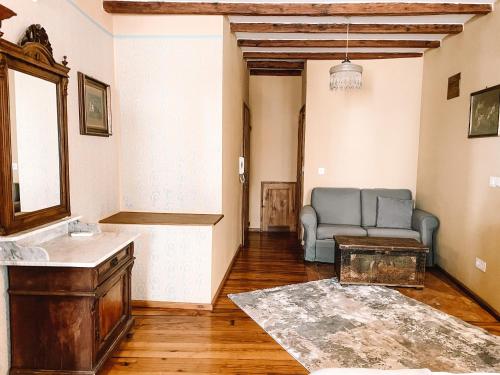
95	110
484	115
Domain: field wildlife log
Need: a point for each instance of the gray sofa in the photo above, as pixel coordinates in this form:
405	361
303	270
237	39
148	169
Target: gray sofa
353	212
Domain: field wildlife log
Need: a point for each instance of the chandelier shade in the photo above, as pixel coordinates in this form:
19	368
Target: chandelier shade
346	76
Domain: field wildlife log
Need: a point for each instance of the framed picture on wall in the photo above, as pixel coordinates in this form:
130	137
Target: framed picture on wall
484	113
95	110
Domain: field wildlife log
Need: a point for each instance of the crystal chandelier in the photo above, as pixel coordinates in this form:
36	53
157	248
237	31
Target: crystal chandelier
346	75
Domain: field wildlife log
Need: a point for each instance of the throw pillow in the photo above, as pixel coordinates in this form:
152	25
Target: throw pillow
394	213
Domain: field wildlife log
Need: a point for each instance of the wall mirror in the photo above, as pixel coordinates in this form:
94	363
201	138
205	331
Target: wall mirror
33	134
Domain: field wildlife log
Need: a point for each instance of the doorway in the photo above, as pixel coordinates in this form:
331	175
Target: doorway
275	102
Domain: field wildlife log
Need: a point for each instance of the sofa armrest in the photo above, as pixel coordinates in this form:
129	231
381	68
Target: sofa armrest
309	221
426	224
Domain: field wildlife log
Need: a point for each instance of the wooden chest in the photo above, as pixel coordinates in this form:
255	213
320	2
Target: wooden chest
380	261
67	320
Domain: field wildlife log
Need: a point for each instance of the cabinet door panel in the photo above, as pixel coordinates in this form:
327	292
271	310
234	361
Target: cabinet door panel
113	309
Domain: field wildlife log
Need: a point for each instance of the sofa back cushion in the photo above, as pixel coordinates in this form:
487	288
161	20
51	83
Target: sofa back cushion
369	202
337	205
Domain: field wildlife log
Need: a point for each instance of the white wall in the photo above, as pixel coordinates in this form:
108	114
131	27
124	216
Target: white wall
173	262
89	48
275	103
94	180
364	138
170	86
454	171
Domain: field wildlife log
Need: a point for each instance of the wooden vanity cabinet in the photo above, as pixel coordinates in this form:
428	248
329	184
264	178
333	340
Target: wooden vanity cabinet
67	320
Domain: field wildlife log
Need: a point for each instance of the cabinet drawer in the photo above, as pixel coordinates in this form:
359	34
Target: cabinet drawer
112	264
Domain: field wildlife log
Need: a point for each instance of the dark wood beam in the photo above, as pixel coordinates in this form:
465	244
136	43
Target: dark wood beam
293	9
275	72
327	55
297	65
342	28
340	43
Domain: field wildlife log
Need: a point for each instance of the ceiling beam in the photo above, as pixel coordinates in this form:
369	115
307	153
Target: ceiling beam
328	55
340	43
296	65
342	28
275	72
293	9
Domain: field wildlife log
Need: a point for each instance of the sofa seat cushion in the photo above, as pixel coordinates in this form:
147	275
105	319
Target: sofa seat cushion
392	232
327	231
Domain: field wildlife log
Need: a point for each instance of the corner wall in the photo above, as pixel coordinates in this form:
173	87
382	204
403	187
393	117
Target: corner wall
89	47
363	138
453	171
227	233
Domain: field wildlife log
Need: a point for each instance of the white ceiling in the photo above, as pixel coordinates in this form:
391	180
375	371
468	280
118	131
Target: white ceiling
445	19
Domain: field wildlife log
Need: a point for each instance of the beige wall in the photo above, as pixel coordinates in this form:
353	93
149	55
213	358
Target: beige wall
170	84
274	108
227	233
367	137
453	170
94	179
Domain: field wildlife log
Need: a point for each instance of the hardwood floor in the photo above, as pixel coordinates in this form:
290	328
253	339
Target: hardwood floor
228	341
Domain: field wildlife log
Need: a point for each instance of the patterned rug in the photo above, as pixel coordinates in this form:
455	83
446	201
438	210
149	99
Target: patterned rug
323	324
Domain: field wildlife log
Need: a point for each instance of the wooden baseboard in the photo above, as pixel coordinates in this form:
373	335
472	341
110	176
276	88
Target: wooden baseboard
257	230
226	275
481	302
172	305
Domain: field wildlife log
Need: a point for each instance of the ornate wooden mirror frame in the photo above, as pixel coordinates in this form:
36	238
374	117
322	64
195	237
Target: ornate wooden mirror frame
32	56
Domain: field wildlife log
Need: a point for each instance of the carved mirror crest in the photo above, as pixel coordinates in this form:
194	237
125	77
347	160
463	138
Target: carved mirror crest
34	175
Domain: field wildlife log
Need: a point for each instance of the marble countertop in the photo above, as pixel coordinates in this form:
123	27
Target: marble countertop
87	252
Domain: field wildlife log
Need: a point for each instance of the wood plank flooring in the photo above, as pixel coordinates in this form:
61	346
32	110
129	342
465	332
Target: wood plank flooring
228	341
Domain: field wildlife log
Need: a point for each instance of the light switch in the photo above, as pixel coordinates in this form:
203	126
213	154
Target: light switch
321	171
14	166
495	181
480	264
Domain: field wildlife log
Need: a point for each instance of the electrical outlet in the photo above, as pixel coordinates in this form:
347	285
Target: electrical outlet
321	171
481	264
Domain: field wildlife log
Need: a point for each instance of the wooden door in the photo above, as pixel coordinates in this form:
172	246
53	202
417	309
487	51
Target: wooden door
300	164
245	211
278	213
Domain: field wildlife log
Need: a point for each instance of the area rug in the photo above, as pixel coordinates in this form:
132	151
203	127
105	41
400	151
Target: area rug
323	324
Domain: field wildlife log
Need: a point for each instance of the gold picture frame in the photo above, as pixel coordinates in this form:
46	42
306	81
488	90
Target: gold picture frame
95	106
484	118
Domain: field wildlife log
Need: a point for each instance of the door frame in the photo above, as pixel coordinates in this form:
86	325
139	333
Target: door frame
245	152
301	146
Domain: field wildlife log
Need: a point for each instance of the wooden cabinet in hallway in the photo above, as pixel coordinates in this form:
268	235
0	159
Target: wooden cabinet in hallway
278	212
